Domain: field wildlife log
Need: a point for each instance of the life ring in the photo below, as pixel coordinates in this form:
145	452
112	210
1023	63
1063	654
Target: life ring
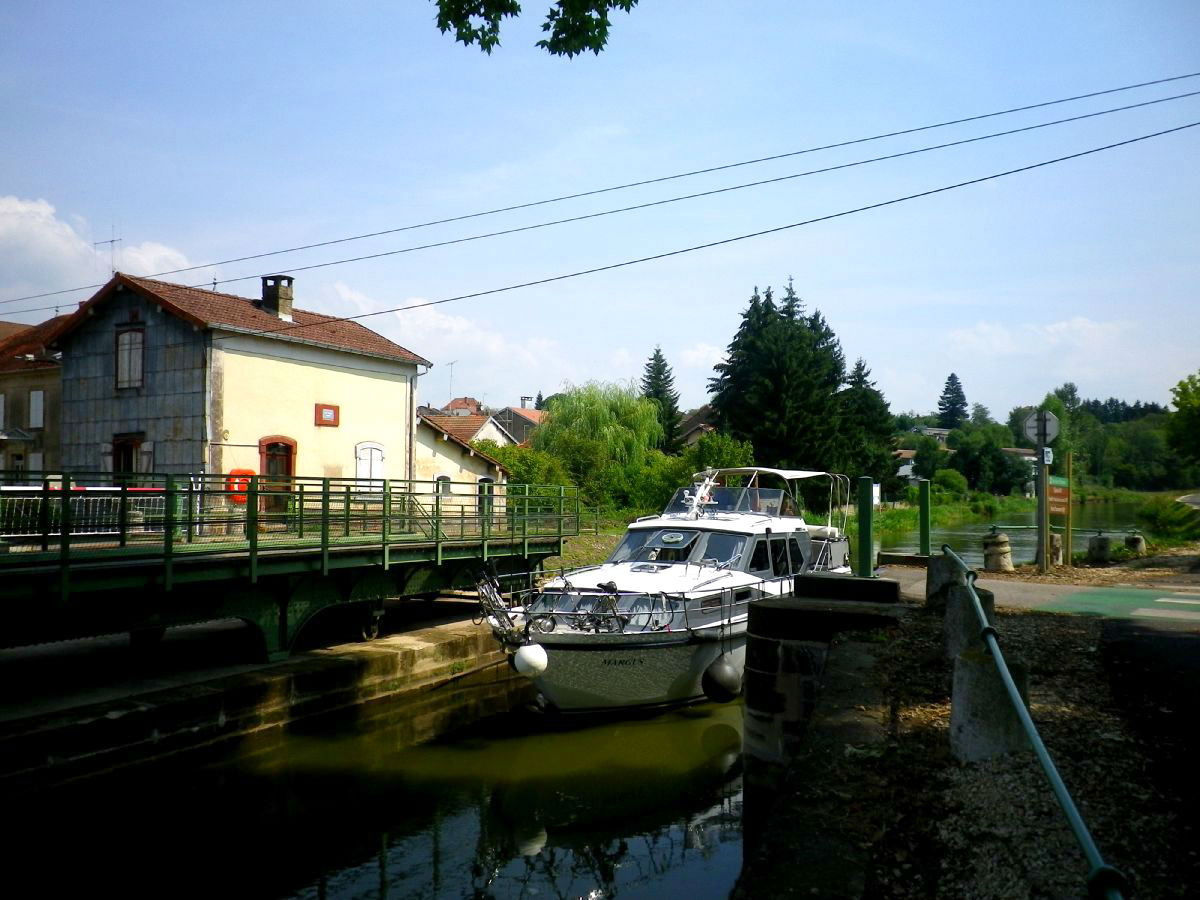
237	482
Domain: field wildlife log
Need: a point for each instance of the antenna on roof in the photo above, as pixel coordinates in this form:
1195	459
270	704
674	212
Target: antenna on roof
214	284
112	251
451	365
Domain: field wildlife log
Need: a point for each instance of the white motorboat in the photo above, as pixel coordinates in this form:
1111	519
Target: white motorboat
663	621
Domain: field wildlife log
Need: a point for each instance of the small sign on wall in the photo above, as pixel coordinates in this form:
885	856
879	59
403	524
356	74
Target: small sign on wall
326	414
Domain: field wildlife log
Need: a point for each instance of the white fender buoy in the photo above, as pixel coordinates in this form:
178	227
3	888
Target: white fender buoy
530	660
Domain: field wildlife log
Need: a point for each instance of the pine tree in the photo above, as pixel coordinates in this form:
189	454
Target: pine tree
540	402
952	407
658	384
866	428
778	385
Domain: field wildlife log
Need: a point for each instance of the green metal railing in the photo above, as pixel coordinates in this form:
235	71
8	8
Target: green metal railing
1103	880
68	516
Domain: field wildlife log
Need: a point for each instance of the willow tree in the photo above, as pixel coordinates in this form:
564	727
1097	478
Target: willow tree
603	433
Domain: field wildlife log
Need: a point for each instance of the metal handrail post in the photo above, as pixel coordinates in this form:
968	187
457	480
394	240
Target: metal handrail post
923	515
44	515
252	526
863	567
383	525
64	540
123	515
300	510
1103	880
188	524
168	532
324	526
437	522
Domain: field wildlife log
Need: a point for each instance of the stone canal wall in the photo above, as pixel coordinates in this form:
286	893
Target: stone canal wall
450	674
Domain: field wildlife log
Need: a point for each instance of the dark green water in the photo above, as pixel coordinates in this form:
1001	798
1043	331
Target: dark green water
516	807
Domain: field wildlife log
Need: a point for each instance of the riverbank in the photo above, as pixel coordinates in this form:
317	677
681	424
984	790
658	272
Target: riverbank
900	819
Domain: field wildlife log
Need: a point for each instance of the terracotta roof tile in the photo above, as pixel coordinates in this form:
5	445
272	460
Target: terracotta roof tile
437	423
30	341
210	309
462	427
536	416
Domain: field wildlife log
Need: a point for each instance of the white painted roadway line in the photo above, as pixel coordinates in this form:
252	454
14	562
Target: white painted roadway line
1166	614
1195	602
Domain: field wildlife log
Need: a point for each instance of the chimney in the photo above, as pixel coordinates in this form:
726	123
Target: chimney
277	296
523	399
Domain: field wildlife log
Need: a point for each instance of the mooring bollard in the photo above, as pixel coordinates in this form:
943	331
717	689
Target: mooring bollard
983	723
1136	544
997	552
941	572
1099	548
960	627
1056	550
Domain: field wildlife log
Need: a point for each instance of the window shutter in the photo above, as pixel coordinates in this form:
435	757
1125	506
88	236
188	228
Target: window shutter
145	455
35	462
1	411
106	458
37	418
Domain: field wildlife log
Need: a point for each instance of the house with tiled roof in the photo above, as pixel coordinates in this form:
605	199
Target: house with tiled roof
30	382
695	424
160	377
473	428
463	476
519	421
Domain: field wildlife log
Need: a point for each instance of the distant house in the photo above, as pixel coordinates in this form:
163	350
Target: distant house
458	472
471	428
696	424
905	460
30	384
938	434
519	421
463	406
158	377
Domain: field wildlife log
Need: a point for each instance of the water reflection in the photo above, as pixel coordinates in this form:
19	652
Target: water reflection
521	808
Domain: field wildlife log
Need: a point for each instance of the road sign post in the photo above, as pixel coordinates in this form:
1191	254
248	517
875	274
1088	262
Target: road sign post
1042	427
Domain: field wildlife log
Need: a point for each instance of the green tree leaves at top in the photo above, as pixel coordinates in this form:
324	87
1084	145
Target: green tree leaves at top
572	26
778	385
603	433
658	384
1183	425
952	406
866	428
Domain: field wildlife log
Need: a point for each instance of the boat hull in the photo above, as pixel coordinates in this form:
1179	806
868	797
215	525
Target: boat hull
625	672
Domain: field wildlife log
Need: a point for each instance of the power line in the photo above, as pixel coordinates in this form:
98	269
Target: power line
742	237
632	184
669	200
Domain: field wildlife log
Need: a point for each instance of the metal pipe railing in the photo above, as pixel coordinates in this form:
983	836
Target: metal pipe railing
1103	880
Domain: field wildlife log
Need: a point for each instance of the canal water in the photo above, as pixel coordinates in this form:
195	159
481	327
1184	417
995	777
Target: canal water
519	806
966	538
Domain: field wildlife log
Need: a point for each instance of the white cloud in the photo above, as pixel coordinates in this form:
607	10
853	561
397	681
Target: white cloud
443	337
1075	335
702	356
39	251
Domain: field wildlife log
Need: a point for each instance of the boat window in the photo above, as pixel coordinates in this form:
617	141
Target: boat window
767	501
798	555
724	549
779	559
760	562
667	546
719	499
630	544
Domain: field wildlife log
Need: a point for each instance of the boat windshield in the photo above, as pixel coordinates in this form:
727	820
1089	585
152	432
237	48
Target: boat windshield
767	501
664	545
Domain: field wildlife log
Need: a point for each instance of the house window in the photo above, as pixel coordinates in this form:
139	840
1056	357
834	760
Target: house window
1	411
37	409
368	465
125	451
130	351
443	485
35	462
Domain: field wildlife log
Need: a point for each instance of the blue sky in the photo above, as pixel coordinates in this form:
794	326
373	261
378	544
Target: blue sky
201	132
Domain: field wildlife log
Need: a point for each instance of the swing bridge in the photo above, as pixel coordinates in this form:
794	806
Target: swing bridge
83	555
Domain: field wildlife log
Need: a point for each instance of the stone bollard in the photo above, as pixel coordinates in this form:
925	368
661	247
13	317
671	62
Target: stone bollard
1099	549
941	572
1056	550
1136	544
997	553
983	722
960	627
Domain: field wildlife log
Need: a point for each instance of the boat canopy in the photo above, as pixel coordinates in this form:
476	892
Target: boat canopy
787	474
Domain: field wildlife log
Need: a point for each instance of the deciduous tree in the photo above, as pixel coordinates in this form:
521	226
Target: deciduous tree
572	26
